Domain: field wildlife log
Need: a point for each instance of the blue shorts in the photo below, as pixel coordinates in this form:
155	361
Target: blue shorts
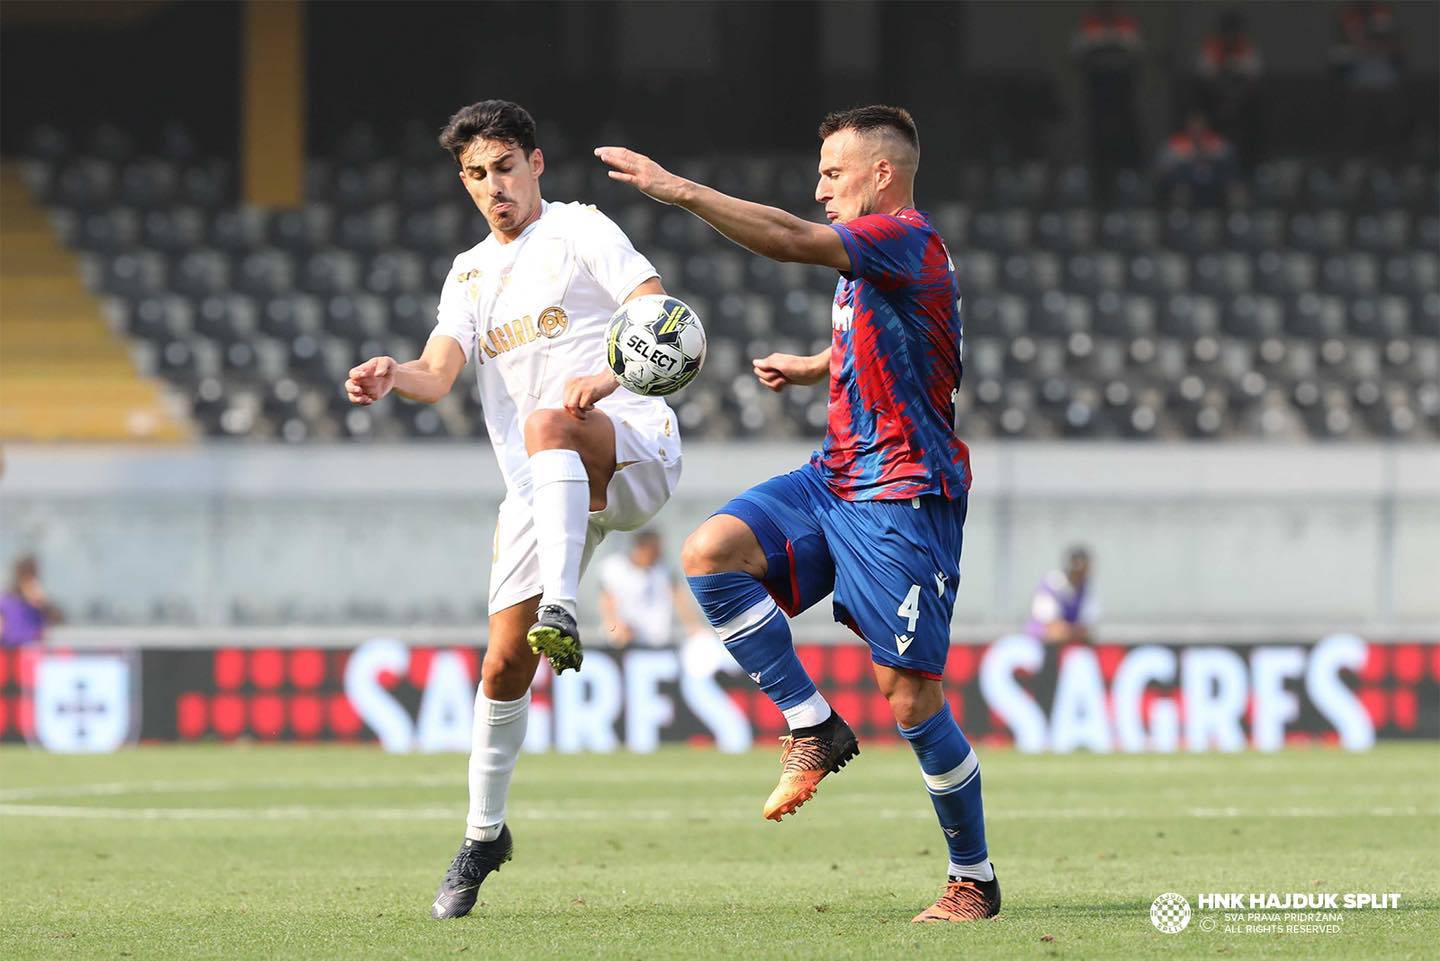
893	566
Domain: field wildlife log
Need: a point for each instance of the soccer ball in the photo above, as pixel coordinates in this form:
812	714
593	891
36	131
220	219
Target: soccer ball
655	345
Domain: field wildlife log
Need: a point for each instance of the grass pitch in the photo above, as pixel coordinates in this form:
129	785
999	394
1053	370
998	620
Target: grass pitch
334	853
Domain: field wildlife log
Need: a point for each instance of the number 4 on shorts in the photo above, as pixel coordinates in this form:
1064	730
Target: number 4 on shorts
910	607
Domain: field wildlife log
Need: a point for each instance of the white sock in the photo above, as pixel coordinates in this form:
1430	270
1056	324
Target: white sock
561	507
808	712
976	872
495	741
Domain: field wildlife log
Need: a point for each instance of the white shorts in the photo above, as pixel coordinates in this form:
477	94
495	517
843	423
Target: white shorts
647	469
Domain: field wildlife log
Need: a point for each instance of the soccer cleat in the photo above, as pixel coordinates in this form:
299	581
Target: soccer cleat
805	760
472	865
964	899
556	636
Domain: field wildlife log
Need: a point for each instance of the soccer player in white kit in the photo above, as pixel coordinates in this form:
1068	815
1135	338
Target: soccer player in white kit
580	455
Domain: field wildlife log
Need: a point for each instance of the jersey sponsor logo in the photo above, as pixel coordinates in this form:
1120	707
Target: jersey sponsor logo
842	318
525	330
903	642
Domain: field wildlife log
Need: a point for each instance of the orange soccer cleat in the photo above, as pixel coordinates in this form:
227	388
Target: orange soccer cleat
964	899
806	760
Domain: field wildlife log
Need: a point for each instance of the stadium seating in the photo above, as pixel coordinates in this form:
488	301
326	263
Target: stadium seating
1311	308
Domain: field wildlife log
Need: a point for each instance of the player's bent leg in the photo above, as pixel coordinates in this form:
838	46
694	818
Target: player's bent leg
724	562
502	704
571	462
951	770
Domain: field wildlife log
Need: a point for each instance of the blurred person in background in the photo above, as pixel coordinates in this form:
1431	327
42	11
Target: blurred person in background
1108	46
1065	608
1228	70
1197	166
1369	59
25	609
641	597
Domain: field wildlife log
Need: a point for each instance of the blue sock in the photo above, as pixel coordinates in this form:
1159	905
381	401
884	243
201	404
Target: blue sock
952	776
757	635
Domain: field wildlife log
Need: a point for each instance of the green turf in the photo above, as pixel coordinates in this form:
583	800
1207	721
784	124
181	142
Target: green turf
318	853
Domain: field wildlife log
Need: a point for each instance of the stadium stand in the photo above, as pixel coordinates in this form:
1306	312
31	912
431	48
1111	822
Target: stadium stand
1310	307
63	373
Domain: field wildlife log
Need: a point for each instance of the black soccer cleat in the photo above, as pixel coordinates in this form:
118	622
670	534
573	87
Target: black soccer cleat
472	865
807	755
556	636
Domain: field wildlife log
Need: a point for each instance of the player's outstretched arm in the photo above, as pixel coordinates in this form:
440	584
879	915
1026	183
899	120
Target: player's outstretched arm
427	379
767	231
778	371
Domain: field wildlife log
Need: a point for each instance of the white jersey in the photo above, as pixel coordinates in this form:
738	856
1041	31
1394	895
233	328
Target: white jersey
644	598
531	315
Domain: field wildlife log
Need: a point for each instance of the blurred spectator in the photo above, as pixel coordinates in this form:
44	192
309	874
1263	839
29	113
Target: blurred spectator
25	611
1065	608
640	597
1369	59
1198	166
1229	71
1108	47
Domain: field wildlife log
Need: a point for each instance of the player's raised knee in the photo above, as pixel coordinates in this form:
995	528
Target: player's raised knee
722	543
551	429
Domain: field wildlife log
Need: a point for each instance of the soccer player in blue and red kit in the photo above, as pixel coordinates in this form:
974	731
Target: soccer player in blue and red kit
876	516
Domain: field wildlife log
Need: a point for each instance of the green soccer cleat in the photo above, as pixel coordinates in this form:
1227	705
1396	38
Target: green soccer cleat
556	636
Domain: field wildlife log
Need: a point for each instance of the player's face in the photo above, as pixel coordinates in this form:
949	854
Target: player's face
646	553
504	183
847	177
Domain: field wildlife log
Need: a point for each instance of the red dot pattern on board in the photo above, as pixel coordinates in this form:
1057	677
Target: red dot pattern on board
1404	709
191	715
343	719
1376	704
1375	658
420	658
267	715
307	715
307	668
267	669
228	714
960	665
229	669
1409	663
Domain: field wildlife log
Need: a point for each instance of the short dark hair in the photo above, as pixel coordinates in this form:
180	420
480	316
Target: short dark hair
499	120
874	117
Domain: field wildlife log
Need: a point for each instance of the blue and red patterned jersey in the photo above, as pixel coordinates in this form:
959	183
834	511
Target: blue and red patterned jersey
894	365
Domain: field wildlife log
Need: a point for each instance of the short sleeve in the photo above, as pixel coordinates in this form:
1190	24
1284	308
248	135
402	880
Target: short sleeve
455	317
1044	608
883	250
610	575
607	254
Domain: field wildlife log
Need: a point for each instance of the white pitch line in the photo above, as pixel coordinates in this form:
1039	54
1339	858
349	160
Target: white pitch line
311	812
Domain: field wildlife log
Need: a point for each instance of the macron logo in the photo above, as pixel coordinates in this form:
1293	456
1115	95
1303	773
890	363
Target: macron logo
755	677
903	642
951	832
940	580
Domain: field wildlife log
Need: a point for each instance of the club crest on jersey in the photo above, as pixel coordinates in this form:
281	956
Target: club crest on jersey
552	322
